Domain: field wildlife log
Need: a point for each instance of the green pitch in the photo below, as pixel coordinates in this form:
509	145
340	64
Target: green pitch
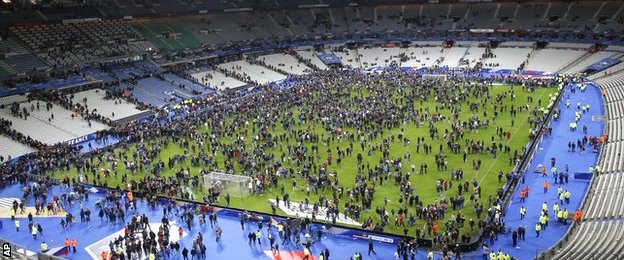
424	184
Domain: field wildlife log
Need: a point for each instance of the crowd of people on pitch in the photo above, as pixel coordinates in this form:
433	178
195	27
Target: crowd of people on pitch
303	157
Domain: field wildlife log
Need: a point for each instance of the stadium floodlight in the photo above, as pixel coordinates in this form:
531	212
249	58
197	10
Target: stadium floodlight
224	183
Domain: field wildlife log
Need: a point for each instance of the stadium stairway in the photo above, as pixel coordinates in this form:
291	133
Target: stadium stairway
574	63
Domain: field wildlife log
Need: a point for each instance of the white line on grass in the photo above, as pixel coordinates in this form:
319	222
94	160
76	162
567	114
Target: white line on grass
512	137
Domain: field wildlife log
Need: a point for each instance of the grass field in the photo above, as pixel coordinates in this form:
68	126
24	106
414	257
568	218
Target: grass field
425	184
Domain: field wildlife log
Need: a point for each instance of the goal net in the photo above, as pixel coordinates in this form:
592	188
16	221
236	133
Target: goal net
434	77
223	183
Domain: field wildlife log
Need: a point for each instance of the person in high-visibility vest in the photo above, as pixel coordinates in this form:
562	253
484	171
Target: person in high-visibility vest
67	244
430	255
544	221
73	244
104	255
34	232
280	230
553	171
44	246
522	212
567	196
565	216
259	237
577	216
538	228
555	208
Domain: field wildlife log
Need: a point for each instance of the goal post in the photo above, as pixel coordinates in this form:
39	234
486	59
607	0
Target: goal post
223	183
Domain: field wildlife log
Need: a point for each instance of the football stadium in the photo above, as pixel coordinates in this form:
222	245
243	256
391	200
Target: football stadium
311	129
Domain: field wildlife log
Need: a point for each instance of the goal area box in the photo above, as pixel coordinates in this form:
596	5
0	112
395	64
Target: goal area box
223	183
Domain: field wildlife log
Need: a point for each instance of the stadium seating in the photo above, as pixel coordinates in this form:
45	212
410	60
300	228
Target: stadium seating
506	58
136	69
474	55
252	72
570	45
311	56
615	48
5	70
70	44
452	56
17	59
552	60
98	74
12	148
339	20
220	28
581	65
6	101
146	96
121	8
96	99
386	18
157	92
24	63
348	57
186	84
230	30
378	57
607	196
427	54
613	89
594	240
164	6
517	44
63	120
302	22
286	62
169	36
217	80
609	71
216	27
41	127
